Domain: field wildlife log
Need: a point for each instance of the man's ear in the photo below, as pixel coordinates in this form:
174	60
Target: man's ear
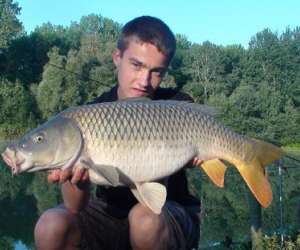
117	57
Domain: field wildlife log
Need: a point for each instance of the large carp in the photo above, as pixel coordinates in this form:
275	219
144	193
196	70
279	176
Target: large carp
138	143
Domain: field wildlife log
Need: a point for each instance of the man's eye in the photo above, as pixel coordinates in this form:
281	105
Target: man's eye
136	66
158	73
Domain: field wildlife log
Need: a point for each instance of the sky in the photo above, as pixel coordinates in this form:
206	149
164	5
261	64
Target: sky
222	22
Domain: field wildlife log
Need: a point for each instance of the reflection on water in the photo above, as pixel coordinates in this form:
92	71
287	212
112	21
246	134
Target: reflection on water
17	218
20	246
22	200
18	212
225	211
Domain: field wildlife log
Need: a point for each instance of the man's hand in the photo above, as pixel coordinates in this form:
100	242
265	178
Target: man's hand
75	186
195	162
79	175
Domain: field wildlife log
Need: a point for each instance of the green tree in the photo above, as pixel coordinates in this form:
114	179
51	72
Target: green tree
50	90
6	243
10	26
97	68
46	195
232	60
178	68
204	66
27	55
106	28
17	110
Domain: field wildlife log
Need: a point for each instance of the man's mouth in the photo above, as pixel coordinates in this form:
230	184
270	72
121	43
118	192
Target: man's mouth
141	92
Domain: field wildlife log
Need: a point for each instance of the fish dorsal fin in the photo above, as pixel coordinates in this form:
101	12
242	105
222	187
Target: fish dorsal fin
151	194
215	169
136	99
205	109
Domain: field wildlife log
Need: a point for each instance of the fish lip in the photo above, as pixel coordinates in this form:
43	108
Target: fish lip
7	160
14	165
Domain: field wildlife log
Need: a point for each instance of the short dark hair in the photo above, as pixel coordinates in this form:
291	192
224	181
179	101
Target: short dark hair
148	29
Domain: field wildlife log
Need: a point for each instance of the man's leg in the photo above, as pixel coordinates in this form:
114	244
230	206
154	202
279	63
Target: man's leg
57	228
147	230
103	227
173	229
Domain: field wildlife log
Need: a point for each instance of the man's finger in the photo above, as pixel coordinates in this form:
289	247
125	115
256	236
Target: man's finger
54	176
77	176
65	175
85	175
197	161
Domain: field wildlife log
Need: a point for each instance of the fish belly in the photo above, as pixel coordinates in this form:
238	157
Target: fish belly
142	163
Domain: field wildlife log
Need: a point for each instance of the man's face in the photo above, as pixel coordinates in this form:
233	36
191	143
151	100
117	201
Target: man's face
140	69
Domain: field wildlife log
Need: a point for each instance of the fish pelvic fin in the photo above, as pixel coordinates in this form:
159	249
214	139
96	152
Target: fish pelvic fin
215	169
253	172
151	194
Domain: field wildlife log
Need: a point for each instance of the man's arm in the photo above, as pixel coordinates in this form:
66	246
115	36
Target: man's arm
74	187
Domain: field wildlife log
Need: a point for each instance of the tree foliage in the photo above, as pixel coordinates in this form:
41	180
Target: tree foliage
10	26
16	110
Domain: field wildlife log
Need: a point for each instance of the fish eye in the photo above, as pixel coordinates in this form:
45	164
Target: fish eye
38	139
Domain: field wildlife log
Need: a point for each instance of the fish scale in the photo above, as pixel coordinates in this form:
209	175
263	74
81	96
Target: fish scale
161	121
140	126
150	123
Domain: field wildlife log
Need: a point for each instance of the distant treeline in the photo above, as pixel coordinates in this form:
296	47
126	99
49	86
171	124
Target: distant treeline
257	89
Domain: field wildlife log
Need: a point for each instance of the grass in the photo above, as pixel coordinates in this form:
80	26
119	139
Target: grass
293	148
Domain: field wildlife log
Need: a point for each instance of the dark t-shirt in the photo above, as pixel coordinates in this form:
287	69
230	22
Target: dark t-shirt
177	189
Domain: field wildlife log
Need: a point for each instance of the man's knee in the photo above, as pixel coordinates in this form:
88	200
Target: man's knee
54	228
146	228
143	220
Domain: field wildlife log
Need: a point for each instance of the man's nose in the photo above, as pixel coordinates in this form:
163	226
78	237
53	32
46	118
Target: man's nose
145	77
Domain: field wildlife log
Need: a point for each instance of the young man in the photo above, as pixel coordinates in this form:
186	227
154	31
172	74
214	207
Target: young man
114	219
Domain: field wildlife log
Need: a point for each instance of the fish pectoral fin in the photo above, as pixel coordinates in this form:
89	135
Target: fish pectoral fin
215	169
151	194
110	173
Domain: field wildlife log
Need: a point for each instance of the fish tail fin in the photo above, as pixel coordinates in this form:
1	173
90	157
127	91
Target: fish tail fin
215	169
253	172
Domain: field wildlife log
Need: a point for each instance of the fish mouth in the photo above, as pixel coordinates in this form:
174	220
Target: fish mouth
14	164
